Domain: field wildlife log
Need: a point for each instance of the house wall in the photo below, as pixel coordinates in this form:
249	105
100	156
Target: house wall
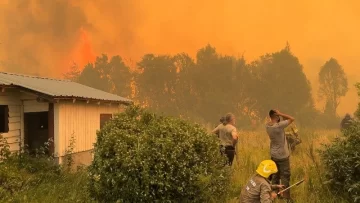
11	98
81	121
19	103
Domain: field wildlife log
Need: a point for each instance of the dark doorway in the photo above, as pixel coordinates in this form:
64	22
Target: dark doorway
36	129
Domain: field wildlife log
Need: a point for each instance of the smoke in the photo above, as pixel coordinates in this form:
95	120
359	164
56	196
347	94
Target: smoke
46	36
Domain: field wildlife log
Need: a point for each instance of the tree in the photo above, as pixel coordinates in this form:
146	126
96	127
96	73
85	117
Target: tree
185	90
357	113
110	76
120	76
221	85
281	83
73	74
157	81
333	85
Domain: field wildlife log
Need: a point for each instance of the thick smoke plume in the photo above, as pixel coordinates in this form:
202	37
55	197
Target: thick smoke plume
46	37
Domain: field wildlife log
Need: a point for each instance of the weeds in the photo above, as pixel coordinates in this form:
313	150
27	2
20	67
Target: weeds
24	178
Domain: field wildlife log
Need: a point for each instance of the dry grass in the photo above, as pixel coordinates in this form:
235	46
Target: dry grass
253	147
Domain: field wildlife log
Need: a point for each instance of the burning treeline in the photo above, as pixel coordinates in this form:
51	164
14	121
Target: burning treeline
202	89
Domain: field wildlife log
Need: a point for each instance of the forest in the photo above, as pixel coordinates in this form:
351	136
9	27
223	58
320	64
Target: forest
206	87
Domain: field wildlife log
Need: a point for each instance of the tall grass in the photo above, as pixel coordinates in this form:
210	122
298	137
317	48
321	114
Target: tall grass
253	147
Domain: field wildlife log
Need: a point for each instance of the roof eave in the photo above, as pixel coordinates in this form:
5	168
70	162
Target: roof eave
52	98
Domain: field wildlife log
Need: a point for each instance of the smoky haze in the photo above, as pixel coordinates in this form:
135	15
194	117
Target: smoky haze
45	37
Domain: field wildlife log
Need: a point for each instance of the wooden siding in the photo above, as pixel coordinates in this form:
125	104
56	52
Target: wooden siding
34	106
13	137
80	120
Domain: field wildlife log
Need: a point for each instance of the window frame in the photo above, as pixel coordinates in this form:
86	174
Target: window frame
4	126
107	117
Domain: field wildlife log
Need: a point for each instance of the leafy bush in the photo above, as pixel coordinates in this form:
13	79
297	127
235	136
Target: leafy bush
342	161
143	157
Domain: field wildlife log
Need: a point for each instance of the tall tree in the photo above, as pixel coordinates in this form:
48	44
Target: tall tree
157	81
281	83
222	85
110	76
333	85
120	76
185	89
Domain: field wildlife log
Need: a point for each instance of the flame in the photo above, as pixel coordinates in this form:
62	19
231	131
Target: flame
86	51
82	52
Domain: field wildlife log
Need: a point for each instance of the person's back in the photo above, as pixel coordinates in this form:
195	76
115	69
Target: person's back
225	135
256	187
278	143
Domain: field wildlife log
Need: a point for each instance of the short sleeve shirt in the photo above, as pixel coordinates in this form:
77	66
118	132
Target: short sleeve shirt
278	143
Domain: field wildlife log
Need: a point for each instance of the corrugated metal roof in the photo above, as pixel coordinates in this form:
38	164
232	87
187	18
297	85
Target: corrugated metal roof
57	88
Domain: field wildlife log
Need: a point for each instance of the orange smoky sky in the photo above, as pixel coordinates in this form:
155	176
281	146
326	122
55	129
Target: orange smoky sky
45	37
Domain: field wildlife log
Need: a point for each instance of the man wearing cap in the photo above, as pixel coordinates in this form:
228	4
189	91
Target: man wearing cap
258	189
279	150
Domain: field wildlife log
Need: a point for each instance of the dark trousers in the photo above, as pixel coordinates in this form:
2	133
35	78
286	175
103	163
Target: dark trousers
283	174
229	151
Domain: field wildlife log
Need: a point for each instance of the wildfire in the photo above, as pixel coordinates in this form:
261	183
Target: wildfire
82	53
86	52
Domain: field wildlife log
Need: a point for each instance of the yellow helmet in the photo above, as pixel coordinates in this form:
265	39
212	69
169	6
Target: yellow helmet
266	168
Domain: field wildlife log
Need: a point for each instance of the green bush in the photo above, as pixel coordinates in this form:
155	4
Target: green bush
342	161
143	157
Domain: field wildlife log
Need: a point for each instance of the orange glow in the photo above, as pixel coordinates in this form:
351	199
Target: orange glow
316	31
83	53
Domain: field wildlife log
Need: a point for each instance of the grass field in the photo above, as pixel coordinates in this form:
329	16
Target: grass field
253	147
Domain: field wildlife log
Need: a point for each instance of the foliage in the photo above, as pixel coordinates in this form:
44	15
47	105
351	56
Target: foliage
60	186
282	84
142	157
110	76
205	88
357	113
342	161
37	178
333	85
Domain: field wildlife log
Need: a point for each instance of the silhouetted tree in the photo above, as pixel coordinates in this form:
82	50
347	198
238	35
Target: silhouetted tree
110	76
333	85
281	83
157	81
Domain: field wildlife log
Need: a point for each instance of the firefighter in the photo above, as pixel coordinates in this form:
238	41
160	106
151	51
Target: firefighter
258	189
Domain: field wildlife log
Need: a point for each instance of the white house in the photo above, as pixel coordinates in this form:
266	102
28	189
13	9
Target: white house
35	109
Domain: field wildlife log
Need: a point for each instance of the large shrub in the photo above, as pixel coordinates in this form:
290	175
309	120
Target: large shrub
342	163
142	157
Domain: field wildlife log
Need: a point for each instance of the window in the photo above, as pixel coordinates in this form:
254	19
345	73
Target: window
4	118
104	118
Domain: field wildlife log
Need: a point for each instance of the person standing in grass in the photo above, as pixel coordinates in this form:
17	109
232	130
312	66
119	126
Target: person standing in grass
258	189
279	150
228	137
